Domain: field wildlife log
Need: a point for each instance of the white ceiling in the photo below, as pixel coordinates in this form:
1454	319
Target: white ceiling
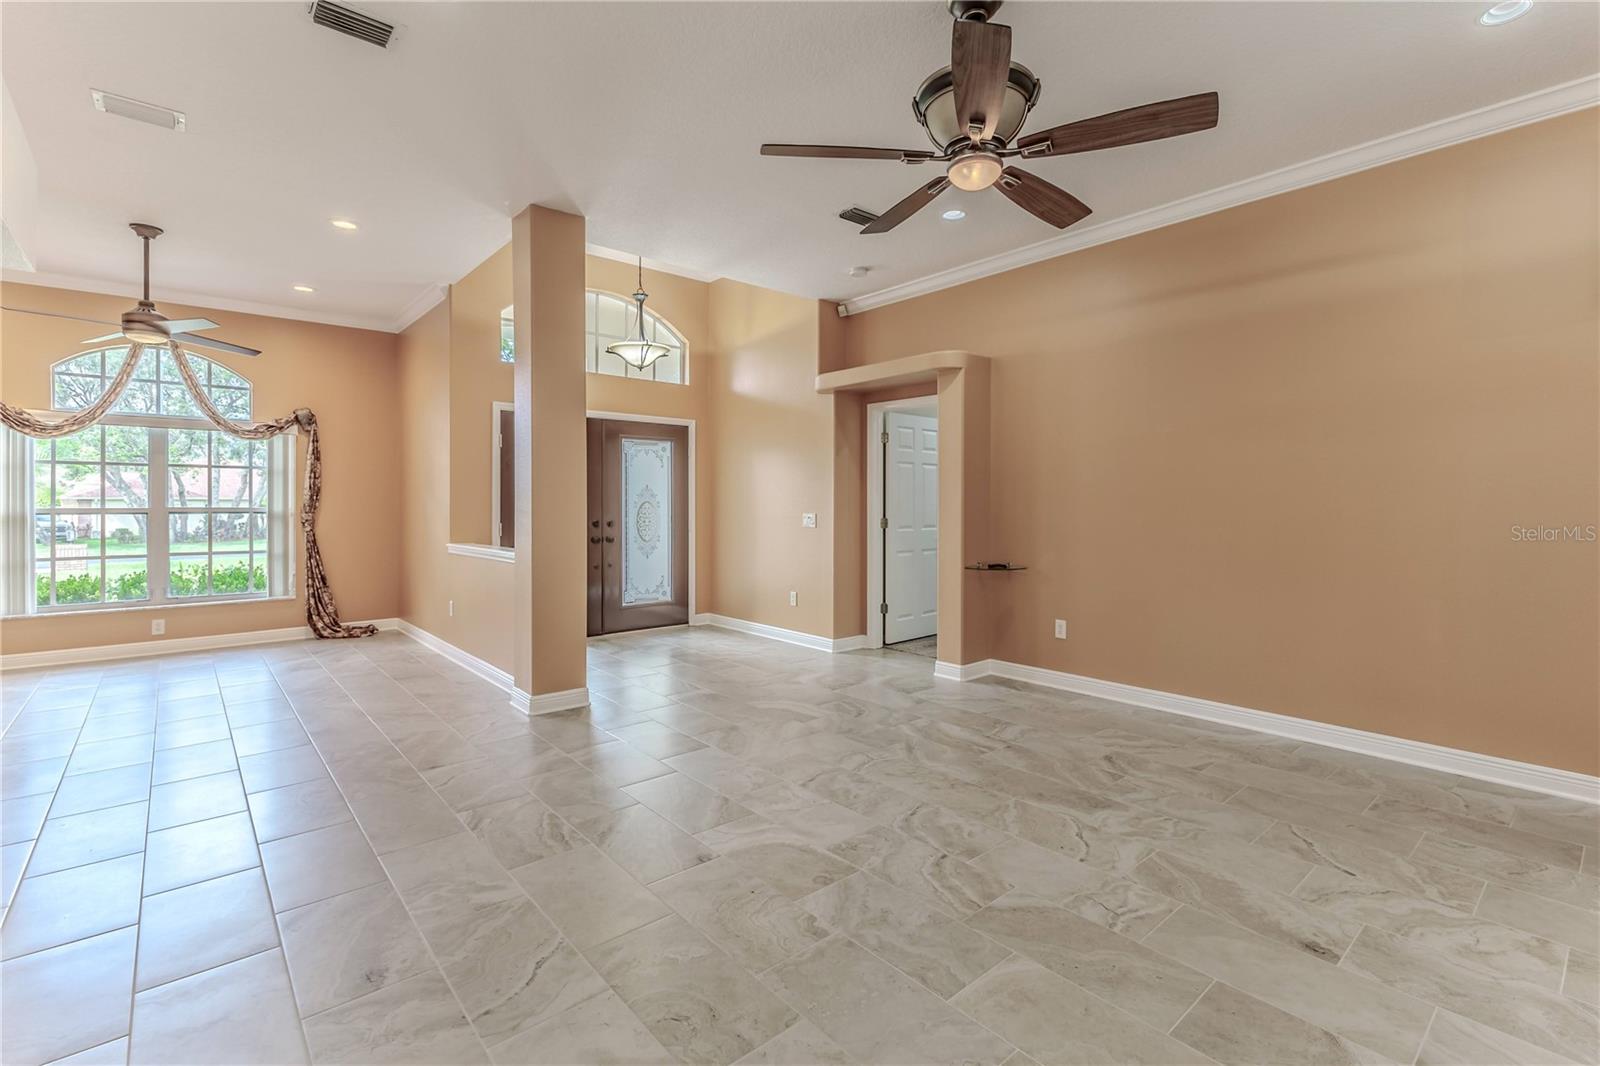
646	118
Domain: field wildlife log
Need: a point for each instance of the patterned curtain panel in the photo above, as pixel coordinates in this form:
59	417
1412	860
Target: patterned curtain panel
322	615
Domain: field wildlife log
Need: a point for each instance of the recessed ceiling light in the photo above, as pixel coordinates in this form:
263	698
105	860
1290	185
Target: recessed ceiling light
955	214
304	288
343	223
1500	14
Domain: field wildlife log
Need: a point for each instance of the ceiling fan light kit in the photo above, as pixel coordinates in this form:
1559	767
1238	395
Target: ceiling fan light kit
146	325
973	111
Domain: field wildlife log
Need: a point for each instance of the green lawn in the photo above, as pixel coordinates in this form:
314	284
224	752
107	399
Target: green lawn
137	547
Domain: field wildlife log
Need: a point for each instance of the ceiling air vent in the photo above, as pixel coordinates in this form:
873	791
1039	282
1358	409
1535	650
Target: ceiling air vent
154	114
350	22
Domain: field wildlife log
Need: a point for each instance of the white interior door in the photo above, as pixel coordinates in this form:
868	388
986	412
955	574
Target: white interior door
911	541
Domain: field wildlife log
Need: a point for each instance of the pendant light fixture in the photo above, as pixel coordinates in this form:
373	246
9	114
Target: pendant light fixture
641	353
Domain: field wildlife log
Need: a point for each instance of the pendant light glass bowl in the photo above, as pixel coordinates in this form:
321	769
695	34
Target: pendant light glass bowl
640	353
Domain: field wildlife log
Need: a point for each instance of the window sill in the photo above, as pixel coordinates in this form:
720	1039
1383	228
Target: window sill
171	605
483	551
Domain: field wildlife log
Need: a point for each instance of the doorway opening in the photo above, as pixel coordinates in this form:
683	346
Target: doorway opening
503	488
641	503
903	525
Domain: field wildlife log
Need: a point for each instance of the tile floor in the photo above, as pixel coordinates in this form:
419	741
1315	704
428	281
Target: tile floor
749	852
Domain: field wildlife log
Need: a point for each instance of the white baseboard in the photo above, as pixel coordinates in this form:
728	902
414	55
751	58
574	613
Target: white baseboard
788	636
1530	776
465	659
546	702
543	703
961	671
166	646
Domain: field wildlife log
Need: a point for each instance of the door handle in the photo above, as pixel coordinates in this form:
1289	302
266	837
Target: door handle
594	540
611	540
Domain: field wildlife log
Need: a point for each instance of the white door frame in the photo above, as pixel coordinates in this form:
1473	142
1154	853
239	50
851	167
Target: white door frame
617	416
495	444
873	457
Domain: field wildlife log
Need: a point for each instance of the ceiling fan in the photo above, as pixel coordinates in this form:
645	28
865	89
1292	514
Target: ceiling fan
973	109
148	326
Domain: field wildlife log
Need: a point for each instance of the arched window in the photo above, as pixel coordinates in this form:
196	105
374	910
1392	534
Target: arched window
156	388
608	318
152	505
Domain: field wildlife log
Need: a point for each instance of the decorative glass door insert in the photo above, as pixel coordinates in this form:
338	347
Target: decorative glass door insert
638	525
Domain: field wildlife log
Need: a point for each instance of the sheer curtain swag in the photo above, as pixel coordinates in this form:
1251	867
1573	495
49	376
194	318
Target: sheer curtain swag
322	615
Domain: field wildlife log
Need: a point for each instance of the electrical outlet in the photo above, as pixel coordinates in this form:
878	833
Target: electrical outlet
794	598
809	520
450	607
158	627
1061	629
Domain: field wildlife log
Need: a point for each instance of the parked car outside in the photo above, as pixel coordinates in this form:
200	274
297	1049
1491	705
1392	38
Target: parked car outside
66	532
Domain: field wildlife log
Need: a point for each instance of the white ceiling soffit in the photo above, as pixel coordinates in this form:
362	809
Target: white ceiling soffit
19	188
646	118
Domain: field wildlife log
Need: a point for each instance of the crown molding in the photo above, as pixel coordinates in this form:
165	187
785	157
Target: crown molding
197	300
1534	107
429	298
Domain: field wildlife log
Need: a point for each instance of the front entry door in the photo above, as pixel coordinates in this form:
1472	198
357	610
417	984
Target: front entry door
638	525
911	532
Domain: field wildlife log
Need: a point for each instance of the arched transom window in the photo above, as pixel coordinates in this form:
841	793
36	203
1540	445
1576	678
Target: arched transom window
156	388
608	318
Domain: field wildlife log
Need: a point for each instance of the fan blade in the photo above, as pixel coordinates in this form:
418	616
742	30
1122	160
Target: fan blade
1135	125
838	151
980	64
189	325
1037	196
907	207
107	337
57	314
212	342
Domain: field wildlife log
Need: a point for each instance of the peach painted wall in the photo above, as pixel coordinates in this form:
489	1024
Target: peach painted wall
450	376
477	380
347	376
774	460
429	577
1276	456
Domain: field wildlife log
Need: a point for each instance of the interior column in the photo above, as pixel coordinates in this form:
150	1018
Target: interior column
551	576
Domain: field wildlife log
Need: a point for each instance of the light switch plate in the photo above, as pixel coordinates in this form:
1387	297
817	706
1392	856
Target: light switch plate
809	520
1061	629
794	598
158	627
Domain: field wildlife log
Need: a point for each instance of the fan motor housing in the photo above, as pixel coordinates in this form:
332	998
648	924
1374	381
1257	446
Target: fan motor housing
934	106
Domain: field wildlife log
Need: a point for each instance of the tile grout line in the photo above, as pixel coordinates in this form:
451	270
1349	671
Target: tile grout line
1426	1031
356	700
1191	1006
388	880
261	864
54	795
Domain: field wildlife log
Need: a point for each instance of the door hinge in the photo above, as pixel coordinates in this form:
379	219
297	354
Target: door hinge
883	608
885	438
883	523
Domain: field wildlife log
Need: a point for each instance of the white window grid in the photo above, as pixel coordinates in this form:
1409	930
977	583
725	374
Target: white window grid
609	318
